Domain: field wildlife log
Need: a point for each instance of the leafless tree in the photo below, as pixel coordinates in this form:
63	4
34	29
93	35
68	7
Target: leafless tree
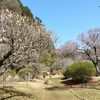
90	44
67	50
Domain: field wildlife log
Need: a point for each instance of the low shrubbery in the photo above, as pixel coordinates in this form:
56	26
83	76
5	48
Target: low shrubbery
26	73
80	71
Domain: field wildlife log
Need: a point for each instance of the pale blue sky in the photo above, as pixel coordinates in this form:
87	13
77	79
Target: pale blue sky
67	18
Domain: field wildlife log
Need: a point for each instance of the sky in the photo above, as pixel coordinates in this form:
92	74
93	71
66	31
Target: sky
66	18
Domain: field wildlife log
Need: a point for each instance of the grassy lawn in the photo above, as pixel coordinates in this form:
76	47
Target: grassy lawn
54	91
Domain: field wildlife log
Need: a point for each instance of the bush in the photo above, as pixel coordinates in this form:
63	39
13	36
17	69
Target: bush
80	71
25	73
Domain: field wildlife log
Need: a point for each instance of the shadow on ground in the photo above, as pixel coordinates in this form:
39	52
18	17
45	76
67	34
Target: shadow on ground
77	84
9	92
55	88
70	82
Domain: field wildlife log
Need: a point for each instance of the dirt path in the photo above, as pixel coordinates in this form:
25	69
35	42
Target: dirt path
55	90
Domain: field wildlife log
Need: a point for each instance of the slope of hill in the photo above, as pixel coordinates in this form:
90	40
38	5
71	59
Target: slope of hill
16	6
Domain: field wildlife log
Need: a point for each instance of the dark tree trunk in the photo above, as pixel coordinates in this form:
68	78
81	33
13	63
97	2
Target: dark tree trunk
8	54
97	71
5	57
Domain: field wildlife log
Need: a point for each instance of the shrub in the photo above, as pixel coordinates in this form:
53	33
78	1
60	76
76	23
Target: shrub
24	73
80	71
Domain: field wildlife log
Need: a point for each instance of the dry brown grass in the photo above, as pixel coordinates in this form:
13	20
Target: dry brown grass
54	91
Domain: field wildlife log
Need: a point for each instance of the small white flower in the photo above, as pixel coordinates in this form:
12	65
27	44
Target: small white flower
3	30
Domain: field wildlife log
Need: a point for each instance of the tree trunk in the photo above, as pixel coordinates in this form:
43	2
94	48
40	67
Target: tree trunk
97	71
5	57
